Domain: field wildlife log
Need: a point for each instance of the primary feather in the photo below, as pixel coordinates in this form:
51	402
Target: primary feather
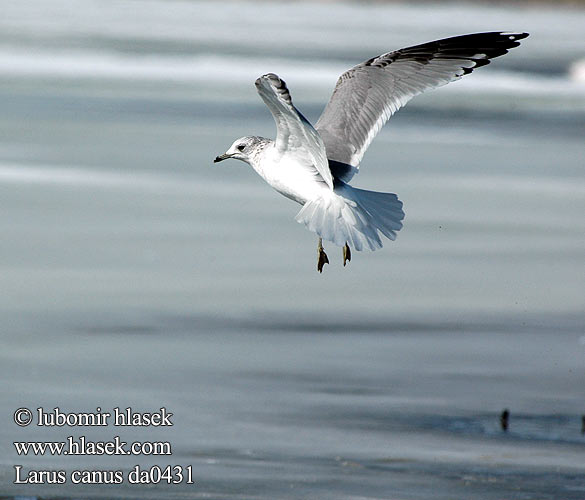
367	95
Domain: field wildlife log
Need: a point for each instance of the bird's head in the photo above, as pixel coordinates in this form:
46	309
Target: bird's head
244	148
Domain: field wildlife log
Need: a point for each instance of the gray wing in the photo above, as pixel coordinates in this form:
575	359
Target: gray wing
294	134
367	95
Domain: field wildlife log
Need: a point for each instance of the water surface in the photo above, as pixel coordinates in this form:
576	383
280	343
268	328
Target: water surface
136	273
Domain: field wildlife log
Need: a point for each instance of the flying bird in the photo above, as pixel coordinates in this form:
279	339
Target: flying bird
313	165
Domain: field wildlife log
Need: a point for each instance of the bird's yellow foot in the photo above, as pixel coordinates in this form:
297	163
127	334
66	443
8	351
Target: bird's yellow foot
322	259
346	254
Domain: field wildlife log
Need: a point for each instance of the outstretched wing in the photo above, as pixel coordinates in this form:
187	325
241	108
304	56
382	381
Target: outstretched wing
367	95
294	133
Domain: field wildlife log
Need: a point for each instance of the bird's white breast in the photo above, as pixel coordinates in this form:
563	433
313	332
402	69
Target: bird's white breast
290	176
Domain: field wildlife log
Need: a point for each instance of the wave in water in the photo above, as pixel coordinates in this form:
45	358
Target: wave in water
13	173
80	176
216	69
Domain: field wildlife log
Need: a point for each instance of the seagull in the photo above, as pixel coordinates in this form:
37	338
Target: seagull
313	165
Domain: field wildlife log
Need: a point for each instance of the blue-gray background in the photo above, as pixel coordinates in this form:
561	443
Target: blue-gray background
136	273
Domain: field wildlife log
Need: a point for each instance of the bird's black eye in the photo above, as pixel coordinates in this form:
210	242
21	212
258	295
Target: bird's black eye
241	147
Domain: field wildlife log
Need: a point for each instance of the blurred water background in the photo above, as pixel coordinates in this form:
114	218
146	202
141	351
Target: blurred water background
136	273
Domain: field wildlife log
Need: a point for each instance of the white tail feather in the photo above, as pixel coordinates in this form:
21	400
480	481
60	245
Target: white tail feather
353	216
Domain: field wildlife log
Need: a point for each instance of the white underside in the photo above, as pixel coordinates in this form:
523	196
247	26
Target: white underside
290	177
342	215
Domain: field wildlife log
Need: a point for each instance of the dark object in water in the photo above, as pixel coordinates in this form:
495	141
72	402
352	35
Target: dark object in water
583	424
505	417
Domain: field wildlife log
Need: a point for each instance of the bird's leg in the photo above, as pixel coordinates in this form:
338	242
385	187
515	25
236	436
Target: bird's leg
322	256
346	254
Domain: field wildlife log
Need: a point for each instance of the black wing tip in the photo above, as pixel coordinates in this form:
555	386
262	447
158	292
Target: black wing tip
513	35
273	80
487	46
489	35
511	39
272	77
276	83
496	41
478	47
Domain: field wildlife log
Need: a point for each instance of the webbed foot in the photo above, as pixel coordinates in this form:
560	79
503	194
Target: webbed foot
322	257
346	254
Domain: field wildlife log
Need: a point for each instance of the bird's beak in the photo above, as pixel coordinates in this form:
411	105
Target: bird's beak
222	157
